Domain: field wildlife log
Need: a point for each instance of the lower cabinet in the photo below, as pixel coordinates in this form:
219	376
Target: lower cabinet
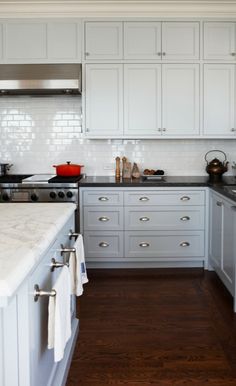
24	357
222	239
146	226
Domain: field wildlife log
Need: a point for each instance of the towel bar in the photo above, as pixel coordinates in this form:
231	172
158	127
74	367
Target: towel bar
66	250
73	234
57	264
38	292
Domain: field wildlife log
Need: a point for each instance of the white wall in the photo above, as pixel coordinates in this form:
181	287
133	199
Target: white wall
37	132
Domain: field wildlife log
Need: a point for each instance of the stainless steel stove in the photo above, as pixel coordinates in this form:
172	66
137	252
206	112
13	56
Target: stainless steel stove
38	188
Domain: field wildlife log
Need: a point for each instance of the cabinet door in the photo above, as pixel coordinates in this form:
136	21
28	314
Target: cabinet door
219	90
63	41
103	40
142	40
219	40
1	42
227	264
180	99
180	41
26	42
216	218
142	99
104	113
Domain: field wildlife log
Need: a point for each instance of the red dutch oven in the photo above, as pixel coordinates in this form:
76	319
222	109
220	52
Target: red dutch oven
68	169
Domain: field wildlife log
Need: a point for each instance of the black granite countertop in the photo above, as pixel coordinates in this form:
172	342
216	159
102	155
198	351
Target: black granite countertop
167	181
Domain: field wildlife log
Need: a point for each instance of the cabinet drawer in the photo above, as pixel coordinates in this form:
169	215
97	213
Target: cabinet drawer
96	218
103	244
102	198
157	244
176	218
167	197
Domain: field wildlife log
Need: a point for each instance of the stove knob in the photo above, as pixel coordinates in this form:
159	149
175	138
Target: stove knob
52	195
34	197
69	194
5	197
61	194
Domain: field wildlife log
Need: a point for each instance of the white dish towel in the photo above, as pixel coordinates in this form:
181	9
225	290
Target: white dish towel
59	318
77	267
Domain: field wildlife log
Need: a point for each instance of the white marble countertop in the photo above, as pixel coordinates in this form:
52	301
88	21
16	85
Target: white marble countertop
26	231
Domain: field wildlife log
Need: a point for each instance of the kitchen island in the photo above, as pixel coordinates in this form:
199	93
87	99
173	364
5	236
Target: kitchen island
31	235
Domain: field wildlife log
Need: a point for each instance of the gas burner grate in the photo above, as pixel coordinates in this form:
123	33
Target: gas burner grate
59	179
13	178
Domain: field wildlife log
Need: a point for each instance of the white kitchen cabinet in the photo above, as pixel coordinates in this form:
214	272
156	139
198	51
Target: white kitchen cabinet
42	41
180	40
142	99
219	100
142	40
180	99
103	40
147	226
222	239
26	41
219	41
104	96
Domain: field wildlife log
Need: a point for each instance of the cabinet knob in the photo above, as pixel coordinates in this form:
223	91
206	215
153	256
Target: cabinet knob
103	219
87	129
233	129
87	53
233	54
164	129
185	198
144	245
103	199
163	54
144	199
144	219
233	207
185	218
184	244
219	203
159	129
159	53
103	244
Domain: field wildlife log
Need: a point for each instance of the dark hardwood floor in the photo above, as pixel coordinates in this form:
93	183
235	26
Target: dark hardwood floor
155	327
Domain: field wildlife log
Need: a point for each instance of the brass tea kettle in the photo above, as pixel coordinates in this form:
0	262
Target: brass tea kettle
215	168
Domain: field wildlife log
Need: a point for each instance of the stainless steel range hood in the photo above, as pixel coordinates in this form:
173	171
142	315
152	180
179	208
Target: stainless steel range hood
38	79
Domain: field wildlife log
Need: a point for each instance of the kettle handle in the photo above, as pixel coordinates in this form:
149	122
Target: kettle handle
211	151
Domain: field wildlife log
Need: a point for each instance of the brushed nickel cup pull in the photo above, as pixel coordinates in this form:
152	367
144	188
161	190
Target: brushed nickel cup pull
185	218
103	219
144	199
144	245
144	219
185	198
219	203
103	244
103	199
38	292
184	244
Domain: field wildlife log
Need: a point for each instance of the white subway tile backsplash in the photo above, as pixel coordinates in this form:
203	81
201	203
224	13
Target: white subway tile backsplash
38	132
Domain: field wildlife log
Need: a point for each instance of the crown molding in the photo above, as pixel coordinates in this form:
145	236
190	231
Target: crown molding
117	8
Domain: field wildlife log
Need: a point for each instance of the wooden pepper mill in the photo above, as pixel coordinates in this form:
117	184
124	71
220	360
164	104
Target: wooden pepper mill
118	167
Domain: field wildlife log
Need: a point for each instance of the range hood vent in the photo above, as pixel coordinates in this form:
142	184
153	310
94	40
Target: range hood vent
39	79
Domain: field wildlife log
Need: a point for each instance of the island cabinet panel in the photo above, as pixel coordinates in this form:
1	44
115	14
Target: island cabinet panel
152	227
219	41
25	359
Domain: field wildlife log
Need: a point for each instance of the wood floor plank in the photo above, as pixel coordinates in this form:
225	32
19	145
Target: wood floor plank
163	327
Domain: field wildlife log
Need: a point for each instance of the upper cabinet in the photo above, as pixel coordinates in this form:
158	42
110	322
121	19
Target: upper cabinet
41	42
219	41
142	40
103	40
